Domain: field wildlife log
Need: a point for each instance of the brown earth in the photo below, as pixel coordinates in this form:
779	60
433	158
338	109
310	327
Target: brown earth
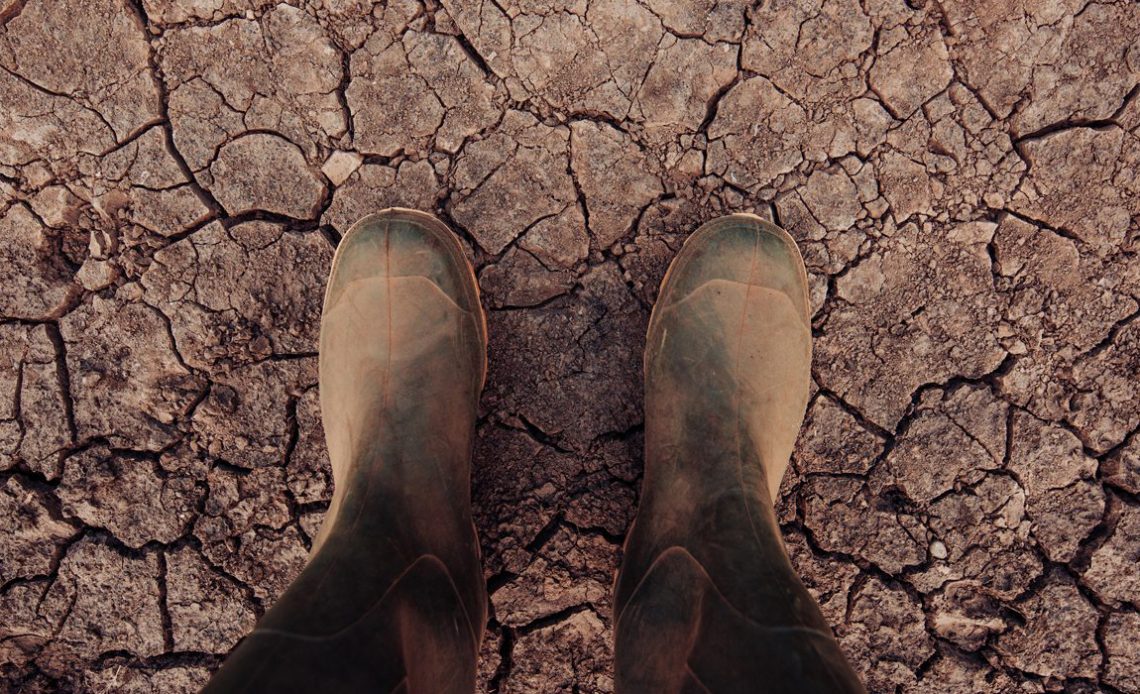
961	177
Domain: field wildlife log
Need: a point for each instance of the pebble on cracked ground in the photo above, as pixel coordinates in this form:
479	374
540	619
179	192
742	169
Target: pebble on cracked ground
961	177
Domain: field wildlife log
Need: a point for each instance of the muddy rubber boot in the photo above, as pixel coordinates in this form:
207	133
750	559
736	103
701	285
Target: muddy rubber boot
393	597
707	599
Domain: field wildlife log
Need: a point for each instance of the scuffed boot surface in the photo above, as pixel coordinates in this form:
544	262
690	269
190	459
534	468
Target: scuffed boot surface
707	599
393	597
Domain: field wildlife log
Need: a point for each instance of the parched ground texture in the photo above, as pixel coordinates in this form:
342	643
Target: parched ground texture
962	178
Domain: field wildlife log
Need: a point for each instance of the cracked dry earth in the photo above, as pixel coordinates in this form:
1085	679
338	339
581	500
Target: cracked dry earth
961	177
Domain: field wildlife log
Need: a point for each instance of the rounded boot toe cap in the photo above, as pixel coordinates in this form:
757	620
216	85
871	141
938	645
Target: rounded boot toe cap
403	243
739	248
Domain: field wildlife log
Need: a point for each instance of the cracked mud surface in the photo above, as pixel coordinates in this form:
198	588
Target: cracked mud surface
961	178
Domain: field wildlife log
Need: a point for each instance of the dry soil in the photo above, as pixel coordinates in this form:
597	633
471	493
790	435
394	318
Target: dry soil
962	178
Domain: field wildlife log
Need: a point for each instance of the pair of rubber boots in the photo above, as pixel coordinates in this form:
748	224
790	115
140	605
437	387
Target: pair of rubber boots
393	598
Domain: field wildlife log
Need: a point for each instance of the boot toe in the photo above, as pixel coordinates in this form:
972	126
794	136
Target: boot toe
403	243
739	248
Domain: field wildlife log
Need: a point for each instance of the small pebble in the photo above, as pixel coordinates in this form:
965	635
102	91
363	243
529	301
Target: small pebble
938	550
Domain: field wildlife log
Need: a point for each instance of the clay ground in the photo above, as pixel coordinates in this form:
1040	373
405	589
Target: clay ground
961	177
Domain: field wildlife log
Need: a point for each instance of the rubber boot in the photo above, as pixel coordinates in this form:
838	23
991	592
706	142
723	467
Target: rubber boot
392	598
707	600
